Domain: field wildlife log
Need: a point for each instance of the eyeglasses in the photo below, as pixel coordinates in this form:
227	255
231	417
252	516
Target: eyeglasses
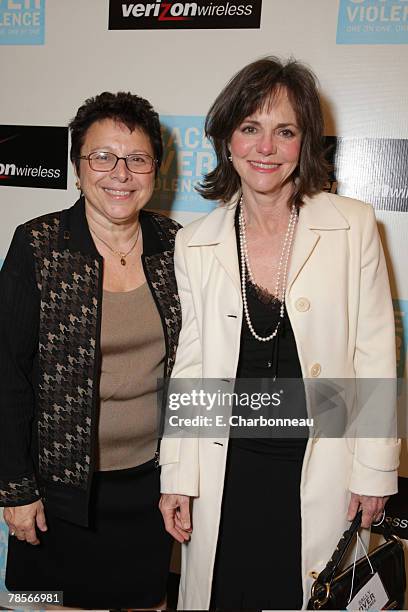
105	161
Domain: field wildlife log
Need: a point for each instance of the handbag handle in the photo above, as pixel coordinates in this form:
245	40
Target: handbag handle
329	572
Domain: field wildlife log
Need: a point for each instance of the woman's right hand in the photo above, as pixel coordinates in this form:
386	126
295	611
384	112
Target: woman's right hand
176	514
23	520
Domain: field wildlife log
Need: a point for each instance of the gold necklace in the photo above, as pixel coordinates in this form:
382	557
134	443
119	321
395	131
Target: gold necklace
121	254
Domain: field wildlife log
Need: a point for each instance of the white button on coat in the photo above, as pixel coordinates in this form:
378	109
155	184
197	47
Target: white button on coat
302	304
315	370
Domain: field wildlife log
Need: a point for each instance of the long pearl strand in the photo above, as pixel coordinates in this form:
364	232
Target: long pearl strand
281	276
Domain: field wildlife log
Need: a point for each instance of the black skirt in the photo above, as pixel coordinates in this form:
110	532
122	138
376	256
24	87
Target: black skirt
258	561
120	561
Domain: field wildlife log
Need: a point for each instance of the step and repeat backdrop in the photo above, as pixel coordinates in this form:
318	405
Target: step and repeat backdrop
179	54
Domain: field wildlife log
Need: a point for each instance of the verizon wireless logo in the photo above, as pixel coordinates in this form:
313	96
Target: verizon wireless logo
168	14
374	170
10	170
396	521
33	156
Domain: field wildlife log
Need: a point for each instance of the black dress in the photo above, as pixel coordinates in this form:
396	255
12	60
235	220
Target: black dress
258	560
120	561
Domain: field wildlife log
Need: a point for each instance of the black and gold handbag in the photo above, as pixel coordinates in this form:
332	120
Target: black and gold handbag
335	588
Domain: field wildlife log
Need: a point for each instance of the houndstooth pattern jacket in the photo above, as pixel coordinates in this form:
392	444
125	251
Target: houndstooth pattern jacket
50	320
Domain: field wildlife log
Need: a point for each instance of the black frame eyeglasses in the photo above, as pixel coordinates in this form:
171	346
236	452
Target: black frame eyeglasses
138	163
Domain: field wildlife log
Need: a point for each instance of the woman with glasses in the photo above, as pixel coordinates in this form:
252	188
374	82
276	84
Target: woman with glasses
89	321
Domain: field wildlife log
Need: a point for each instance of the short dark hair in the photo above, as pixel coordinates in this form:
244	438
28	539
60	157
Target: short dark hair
126	108
248	91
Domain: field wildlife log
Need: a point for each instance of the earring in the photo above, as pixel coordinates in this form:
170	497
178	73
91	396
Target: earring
78	185
230	158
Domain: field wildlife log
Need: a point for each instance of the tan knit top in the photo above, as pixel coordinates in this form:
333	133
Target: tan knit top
133	351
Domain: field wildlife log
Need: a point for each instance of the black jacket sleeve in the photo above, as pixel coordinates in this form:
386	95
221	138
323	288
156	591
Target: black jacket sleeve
19	324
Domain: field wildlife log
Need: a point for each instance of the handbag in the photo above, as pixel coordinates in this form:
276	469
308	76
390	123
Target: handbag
335	588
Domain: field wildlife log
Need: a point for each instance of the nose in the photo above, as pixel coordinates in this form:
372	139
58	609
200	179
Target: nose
266	145
121	171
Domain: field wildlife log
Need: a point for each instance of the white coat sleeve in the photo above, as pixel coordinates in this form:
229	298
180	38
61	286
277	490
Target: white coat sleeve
179	456
376	458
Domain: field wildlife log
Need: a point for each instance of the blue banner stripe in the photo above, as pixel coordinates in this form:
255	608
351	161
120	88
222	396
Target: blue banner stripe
372	22
21	24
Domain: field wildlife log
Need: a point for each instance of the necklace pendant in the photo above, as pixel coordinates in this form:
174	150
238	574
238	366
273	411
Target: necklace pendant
123	261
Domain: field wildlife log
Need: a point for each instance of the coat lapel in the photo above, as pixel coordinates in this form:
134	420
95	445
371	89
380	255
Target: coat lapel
218	230
316	215
227	256
305	241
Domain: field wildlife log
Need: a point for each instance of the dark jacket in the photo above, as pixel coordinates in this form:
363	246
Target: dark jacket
50	323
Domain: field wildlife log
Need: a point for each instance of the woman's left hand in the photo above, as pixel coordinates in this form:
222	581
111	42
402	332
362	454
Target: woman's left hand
372	507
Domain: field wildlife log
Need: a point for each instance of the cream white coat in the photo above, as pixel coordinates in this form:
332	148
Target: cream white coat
339	304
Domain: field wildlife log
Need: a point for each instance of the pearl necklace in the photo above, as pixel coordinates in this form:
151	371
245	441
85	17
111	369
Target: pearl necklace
281	277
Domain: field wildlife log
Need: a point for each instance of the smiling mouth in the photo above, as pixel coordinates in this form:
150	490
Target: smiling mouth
117	192
264	166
